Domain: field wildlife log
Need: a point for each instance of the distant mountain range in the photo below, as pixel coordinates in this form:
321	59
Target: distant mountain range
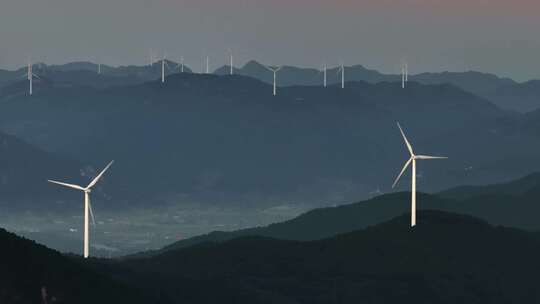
504	92
222	138
84	74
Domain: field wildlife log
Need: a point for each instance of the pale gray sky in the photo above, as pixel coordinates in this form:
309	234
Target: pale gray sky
487	35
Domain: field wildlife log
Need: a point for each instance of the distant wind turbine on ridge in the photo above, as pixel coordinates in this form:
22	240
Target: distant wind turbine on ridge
274	70
412	160
87	205
30	76
325	68
231	63
207	65
181	65
151	58
404	74
342	70
163	65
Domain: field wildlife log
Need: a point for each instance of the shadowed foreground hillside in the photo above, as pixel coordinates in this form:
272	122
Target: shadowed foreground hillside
27	267
448	258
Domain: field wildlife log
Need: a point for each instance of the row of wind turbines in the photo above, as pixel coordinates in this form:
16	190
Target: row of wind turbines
274	69
88	189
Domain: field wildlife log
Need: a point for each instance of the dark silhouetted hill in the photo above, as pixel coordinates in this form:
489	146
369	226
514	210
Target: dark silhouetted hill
27	267
448	258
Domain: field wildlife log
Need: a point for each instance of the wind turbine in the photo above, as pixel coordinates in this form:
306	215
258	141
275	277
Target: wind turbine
231	64
163	64
404	74
207	65
412	160
181	65
342	70
87	206
30	76
325	67
99	68
151	57
274	70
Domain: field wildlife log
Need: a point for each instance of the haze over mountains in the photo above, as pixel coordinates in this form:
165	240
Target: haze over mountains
208	142
504	92
218	135
512	204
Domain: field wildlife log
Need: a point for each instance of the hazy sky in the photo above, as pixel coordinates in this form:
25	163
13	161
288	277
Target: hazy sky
497	36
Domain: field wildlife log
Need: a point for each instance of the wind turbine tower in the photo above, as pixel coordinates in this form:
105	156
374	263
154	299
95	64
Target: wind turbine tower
325	67
207	65
404	74
274	70
163	69
30	76
342	70
87	206
412	160
231	63
163	65
182	64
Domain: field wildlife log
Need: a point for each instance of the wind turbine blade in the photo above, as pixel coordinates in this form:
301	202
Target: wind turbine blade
96	179
66	185
91	213
402	171
406	141
430	157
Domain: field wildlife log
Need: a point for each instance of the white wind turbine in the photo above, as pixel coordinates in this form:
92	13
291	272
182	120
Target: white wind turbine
274	70
404	74
231	63
151	58
207	65
87	206
30	76
325	67
163	65
412	160
342	70
181	65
